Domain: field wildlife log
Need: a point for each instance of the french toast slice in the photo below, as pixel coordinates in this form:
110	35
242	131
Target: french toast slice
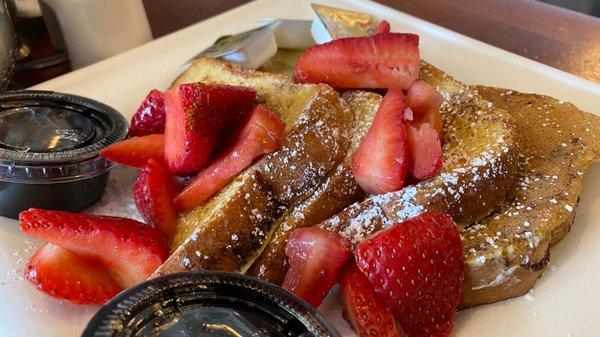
507	252
227	231
340	187
478	170
337	192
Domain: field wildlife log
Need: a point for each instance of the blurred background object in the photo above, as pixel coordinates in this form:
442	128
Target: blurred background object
34	25
41	48
27	8
90	30
538	30
591	7
8	44
96	29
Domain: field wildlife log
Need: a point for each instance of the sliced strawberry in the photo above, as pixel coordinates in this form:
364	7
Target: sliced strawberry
417	268
131	250
422	98
136	151
425	151
362	307
388	60
434	119
424	129
150	116
381	162
316	257
382	28
153	192
197	114
64	275
262	133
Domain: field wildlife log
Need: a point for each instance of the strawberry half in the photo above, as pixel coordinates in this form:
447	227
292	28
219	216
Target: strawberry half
382	28
129	249
381	162
417	268
425	151
136	151
424	129
153	192
316	257
197	114
64	275
150	116
389	60
262	133
434	119
362	307
422	98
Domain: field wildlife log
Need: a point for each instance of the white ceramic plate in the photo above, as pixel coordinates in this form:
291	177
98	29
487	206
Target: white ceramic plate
564	303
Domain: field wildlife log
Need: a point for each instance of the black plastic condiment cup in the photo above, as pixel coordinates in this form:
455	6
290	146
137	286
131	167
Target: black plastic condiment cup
49	145
207	303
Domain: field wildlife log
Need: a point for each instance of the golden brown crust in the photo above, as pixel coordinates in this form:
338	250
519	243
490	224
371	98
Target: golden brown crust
333	195
218	243
482	286
316	140
506	252
311	149
479	167
514	281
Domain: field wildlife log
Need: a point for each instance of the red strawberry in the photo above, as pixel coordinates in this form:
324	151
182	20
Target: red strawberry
422	98
382	28
261	134
64	275
363	308
131	250
153	192
417	268
433	118
150	116
136	151
424	130
379	61
425	151
381	162
197	114
316	257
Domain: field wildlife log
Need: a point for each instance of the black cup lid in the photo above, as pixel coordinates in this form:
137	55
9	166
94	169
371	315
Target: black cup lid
207	303
48	137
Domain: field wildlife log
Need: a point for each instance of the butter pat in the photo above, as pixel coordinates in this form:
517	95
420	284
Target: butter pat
291	34
248	49
319	32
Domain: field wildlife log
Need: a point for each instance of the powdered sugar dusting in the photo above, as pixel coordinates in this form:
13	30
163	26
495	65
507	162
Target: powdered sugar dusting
471	169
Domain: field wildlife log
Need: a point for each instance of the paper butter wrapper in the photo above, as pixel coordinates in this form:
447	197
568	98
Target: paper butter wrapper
333	23
248	49
291	34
